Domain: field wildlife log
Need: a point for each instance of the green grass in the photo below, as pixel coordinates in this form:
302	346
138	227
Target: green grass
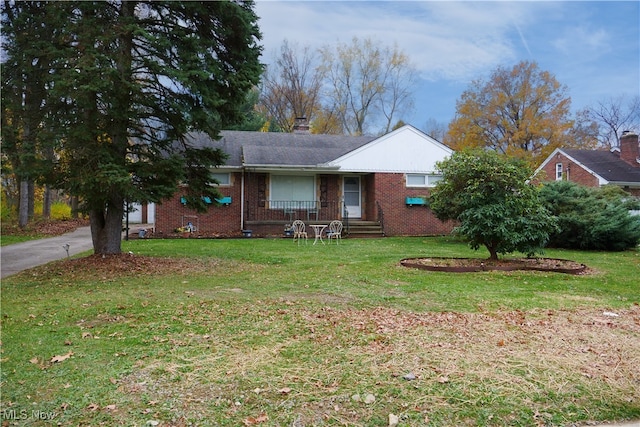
266	332
11	239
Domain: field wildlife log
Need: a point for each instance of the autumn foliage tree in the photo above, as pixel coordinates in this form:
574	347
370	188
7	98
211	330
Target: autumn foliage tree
489	195
522	112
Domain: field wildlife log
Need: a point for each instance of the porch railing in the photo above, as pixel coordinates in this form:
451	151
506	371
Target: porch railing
286	211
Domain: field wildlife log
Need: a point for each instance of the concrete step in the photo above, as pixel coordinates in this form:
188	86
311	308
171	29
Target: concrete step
365	229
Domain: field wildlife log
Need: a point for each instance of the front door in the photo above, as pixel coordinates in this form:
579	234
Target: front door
352	196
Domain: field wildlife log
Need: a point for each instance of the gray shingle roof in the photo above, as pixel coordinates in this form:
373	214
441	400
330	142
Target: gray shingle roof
606	164
280	149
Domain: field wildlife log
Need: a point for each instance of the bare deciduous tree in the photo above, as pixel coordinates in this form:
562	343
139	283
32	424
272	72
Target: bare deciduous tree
367	82
291	87
613	116
435	129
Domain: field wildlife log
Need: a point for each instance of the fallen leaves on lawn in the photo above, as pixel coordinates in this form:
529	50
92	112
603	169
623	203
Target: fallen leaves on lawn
61	358
45	227
544	350
249	421
109	267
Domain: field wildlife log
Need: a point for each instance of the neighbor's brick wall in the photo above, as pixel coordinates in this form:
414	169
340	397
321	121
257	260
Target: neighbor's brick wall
218	220
576	173
403	220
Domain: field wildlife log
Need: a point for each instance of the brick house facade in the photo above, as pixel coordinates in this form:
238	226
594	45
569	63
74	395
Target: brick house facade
594	168
270	179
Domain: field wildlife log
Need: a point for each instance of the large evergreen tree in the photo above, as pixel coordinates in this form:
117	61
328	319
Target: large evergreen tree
127	81
25	82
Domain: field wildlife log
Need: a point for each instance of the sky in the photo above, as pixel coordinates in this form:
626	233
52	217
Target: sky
591	47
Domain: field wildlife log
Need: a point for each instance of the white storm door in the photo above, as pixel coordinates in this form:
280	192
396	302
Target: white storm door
352	196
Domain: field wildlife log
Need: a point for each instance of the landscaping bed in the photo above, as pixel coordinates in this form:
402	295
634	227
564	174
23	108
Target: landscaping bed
466	265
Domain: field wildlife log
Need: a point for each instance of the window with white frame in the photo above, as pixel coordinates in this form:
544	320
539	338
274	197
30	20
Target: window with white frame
223	179
422	180
292	191
558	171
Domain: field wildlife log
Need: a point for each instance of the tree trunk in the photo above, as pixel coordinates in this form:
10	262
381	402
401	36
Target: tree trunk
493	255
74	207
46	203
32	200
23	207
106	229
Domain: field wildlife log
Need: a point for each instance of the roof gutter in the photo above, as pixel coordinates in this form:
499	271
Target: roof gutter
267	167
625	184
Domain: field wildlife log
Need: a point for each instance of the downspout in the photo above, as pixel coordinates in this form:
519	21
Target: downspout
242	202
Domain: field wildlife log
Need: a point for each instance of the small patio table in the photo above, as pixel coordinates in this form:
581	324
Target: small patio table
318	229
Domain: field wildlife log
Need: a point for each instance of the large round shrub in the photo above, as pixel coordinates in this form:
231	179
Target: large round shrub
495	206
591	218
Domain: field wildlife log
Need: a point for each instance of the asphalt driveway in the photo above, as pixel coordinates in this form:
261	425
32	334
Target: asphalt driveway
22	256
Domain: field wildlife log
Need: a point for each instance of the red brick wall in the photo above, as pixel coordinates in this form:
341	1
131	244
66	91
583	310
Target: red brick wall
629	150
576	173
217	221
403	220
388	189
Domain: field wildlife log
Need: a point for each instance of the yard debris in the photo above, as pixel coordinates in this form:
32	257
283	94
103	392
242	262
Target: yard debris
410	376
393	420
61	358
249	421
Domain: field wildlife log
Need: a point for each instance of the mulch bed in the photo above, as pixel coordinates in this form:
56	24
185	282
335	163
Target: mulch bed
469	265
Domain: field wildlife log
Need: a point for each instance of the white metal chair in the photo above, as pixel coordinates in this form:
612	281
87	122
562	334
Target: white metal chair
299	232
313	209
334	231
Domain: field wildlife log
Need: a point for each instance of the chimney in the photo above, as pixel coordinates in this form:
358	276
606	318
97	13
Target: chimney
301	125
629	150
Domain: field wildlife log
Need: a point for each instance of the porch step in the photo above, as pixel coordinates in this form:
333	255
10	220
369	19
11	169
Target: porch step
365	229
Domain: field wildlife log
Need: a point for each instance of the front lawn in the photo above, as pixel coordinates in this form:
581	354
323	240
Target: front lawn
266	332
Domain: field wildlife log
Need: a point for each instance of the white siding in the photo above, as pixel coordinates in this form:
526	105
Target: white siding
403	150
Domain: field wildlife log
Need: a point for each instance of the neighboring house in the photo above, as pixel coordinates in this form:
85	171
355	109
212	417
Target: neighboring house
594	168
271	179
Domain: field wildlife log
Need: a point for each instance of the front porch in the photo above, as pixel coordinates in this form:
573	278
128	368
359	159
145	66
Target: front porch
269	217
287	211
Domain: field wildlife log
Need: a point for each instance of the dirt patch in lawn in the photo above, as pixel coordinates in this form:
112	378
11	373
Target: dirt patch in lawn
467	265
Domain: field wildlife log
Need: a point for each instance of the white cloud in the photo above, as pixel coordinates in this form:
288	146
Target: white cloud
451	40
585	44
584	41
